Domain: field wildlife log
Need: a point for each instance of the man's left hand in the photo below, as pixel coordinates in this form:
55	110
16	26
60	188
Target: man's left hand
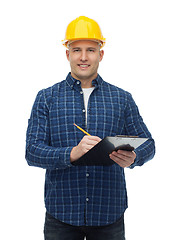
123	158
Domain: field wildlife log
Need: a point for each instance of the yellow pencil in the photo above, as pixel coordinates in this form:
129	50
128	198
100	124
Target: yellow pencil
82	129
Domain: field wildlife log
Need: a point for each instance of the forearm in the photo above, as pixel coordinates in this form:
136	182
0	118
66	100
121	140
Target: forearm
41	155
144	153
136	127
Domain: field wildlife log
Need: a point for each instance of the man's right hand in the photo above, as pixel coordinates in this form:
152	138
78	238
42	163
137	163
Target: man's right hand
83	147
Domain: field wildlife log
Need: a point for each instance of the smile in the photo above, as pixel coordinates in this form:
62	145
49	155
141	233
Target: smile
83	65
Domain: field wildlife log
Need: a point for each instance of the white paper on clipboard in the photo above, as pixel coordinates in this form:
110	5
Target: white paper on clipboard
126	142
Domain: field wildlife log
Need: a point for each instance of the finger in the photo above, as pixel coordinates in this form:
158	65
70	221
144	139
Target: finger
91	140
125	153
94	138
88	147
118	157
122	163
117	160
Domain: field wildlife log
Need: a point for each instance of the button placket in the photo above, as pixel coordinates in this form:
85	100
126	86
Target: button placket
87	200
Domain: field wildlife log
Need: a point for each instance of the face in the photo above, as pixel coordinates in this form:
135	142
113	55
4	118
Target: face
84	57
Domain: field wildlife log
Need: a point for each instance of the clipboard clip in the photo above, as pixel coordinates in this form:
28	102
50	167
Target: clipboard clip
126	136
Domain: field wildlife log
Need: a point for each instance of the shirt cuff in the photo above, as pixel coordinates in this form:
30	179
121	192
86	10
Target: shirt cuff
64	158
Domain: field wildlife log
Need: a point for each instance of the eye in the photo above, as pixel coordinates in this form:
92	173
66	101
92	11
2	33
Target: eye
76	50
91	50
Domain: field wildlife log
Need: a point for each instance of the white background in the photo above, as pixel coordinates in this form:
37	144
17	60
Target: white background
139	57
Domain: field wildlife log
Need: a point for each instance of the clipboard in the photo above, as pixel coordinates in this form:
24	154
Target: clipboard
99	154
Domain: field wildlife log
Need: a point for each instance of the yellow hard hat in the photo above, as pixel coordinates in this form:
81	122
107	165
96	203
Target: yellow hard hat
83	28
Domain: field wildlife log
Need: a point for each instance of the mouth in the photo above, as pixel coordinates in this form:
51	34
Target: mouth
83	66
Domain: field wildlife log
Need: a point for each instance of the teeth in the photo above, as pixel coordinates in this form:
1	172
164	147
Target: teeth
83	65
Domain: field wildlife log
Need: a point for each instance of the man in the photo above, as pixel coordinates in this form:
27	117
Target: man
84	201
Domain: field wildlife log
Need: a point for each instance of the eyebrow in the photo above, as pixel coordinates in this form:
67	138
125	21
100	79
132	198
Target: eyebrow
92	48
76	48
86	49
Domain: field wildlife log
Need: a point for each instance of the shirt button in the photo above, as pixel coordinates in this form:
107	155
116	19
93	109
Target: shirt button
84	110
87	174
87	199
78	82
81	92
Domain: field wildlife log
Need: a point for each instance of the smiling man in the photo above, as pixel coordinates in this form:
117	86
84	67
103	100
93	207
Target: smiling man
84	201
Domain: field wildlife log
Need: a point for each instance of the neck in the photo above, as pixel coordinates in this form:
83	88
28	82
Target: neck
85	82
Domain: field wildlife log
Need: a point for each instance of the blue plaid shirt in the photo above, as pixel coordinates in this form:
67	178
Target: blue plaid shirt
83	195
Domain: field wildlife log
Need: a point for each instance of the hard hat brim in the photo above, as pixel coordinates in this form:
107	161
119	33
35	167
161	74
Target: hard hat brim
67	42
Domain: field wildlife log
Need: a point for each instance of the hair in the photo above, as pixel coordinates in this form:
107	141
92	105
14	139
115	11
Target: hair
69	42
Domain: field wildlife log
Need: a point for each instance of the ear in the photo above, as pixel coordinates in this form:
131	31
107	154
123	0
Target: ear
67	54
101	55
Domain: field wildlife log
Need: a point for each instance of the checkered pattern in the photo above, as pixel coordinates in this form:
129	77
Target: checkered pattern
83	195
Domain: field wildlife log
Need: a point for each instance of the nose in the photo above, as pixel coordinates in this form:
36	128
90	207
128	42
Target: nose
83	56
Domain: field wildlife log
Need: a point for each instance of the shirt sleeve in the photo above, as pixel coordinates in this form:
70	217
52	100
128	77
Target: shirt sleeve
39	153
136	127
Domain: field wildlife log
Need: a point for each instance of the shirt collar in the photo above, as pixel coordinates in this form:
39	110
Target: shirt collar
72	81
